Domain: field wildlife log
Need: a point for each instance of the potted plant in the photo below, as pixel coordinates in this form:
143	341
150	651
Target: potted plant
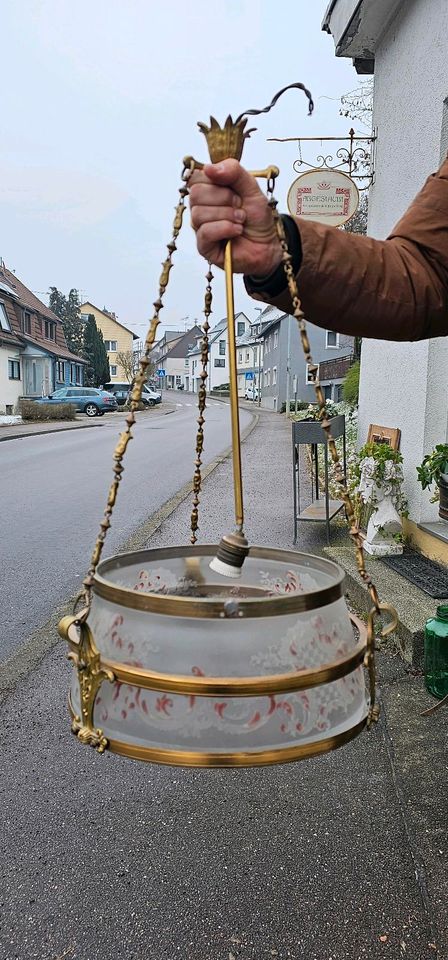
434	470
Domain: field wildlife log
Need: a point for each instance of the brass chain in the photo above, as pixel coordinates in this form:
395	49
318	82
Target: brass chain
136	394
202	395
339	476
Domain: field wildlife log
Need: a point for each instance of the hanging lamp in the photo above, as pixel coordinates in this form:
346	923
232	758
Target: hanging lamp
229	655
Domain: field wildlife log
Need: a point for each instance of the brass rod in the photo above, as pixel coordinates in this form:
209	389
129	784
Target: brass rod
233	377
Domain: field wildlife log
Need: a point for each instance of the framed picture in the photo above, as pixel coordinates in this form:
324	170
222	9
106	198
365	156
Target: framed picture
389	435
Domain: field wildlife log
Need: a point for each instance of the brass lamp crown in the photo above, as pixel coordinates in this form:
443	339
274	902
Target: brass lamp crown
226	141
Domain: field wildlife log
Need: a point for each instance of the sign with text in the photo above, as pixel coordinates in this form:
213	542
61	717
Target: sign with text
328	196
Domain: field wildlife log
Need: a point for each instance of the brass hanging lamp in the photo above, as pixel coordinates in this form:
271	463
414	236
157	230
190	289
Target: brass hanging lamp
229	655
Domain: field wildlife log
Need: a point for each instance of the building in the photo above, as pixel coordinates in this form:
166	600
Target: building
285	371
218	367
34	357
117	338
173	358
403	384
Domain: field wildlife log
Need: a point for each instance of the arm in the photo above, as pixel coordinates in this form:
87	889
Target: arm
394	289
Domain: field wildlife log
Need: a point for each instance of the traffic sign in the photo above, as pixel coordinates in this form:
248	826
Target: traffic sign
249	375
161	373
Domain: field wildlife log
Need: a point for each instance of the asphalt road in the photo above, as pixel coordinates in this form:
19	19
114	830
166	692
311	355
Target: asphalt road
54	490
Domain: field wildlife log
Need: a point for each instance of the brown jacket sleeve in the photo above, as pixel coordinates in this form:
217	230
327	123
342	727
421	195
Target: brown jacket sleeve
394	289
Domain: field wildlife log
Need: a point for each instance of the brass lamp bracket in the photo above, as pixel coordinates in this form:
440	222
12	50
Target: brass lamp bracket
86	658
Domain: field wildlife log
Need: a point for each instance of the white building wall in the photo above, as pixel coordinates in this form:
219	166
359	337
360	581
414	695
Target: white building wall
405	385
10	390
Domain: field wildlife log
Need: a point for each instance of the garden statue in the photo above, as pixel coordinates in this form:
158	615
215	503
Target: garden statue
380	488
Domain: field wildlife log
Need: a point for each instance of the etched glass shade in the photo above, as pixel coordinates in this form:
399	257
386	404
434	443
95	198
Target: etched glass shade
210	672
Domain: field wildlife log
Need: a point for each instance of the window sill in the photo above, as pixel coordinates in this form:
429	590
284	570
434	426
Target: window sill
437	529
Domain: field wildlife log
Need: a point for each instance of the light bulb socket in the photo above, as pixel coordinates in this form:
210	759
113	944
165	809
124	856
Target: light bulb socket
232	552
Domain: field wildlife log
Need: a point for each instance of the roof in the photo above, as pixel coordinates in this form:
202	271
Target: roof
57	350
26	297
109	315
358	25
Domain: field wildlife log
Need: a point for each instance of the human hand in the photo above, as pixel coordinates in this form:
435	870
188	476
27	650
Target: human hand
226	203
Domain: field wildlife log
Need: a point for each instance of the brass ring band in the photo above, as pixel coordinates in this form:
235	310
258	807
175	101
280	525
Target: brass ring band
261	758
237	686
213	608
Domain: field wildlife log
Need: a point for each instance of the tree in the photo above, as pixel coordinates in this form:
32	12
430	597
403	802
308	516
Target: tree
97	371
126	359
350	386
358	104
67	309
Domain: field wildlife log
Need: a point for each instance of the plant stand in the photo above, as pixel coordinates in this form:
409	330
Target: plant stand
321	508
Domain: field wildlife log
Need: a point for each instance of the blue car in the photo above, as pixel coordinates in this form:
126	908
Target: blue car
89	400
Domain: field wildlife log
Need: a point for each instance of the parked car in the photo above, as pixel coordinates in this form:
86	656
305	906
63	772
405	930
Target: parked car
251	393
121	393
89	400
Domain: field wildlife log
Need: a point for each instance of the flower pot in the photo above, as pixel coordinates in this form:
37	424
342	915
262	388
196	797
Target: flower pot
443	495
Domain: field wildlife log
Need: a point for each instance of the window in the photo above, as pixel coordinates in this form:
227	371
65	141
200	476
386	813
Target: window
219	362
111	346
113	369
13	370
60	371
187	362
275	339
49	330
84	317
240	357
241	328
4	319
332	338
247	355
178	379
267	378
310	376
268	345
75	373
26	321
222	348
274	376
338	393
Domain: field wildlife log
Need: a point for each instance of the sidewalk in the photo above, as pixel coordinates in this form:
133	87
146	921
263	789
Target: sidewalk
338	858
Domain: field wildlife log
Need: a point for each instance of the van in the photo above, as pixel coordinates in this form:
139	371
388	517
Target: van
121	393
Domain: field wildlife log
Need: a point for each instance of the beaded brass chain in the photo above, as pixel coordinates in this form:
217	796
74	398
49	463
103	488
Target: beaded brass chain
136	394
202	394
377	607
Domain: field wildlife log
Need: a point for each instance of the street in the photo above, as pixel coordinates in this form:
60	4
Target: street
336	858
56	493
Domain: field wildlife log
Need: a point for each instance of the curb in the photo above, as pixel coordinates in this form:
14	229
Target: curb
27	658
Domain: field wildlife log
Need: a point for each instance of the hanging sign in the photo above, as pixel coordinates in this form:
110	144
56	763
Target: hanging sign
328	196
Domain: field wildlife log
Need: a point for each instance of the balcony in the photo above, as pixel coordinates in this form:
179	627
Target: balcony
335	369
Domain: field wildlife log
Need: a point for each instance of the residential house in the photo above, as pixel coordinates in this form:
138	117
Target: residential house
285	371
403	384
117	338
173	357
34	357
218	366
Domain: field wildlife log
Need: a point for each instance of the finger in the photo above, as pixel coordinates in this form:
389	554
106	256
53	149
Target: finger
210	195
210	234
230	173
202	214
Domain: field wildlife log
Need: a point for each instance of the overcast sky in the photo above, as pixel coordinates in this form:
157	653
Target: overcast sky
99	104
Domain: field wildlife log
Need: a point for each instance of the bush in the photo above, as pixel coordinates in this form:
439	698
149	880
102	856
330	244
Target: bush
30	410
350	386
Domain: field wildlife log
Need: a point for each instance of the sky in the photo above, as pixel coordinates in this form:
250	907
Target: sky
100	103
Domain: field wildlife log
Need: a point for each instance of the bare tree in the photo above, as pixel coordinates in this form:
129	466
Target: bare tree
126	359
358	104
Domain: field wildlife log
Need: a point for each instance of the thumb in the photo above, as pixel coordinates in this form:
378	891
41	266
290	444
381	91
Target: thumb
230	173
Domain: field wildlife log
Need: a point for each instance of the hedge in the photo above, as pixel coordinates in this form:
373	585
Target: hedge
30	410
